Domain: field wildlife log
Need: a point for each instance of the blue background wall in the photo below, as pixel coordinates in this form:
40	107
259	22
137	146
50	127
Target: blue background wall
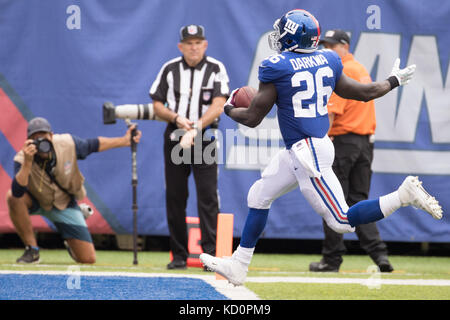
65	75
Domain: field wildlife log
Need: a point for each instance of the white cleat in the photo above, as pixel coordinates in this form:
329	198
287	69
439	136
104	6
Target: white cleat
412	193
234	271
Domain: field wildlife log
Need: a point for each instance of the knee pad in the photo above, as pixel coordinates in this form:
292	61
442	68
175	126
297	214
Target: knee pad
255	197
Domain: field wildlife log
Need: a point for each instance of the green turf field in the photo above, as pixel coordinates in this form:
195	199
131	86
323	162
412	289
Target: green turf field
285	266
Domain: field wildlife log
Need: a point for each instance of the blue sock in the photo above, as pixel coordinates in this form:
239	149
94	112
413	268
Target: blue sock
34	248
364	212
254	226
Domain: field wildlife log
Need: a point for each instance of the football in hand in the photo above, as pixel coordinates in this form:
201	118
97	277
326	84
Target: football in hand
244	97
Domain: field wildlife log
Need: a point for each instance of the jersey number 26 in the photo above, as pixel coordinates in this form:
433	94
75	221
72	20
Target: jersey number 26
314	84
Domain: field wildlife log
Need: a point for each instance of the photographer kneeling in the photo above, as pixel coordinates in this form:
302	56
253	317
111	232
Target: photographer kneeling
48	182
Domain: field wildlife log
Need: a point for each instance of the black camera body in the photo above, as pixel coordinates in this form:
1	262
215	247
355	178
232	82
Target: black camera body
43	145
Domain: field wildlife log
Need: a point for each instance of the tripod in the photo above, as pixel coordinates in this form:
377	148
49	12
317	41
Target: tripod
134	182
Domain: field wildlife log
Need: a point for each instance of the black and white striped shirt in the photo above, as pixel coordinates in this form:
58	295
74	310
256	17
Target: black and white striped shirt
188	91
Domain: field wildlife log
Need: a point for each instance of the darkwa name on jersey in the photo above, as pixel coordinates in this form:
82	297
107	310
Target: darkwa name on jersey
304	83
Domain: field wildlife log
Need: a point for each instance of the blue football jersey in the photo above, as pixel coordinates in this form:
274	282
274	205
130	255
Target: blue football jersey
304	83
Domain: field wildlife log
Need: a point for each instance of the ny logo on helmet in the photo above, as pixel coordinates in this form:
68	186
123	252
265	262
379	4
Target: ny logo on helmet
291	26
316	40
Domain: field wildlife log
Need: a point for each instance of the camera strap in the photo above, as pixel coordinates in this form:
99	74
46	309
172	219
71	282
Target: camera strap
53	179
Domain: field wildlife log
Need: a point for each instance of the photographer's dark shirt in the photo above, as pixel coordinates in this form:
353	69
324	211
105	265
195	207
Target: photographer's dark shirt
85	147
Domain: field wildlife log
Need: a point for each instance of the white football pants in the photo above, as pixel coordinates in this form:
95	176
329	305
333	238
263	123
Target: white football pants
319	186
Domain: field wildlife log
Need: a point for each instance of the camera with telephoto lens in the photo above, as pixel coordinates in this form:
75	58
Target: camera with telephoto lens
128	111
43	145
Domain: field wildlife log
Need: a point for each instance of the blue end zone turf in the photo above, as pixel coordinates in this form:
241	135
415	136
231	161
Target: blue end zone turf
57	287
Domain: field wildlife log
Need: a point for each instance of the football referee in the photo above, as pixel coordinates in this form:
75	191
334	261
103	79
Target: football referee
189	93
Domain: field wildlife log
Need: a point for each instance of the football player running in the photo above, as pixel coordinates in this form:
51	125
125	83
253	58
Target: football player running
299	80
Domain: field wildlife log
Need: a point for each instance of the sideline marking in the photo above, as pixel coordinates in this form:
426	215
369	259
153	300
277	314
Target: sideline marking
404	282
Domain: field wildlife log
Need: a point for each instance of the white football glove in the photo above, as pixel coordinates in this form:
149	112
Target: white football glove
230	101
229	104
403	75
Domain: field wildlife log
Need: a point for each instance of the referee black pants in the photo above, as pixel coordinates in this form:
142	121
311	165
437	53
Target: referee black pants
352	166
176	177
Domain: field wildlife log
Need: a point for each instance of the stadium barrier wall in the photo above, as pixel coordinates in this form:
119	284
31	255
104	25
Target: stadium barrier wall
63	59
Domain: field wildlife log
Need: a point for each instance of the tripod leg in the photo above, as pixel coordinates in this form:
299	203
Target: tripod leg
134	182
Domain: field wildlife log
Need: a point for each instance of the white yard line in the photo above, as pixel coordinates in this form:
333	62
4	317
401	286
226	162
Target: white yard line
230	291
362	281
